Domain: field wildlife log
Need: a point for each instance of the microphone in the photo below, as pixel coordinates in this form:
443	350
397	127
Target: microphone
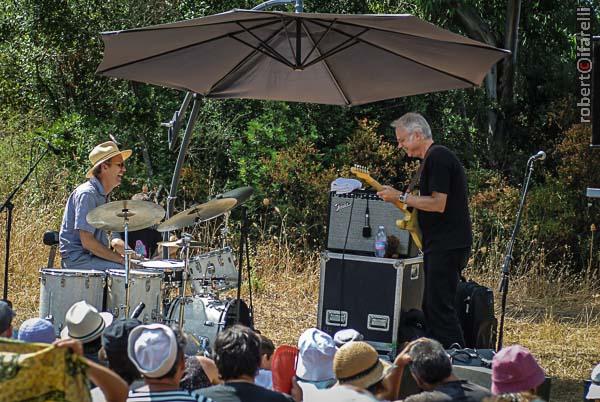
51	147
541	155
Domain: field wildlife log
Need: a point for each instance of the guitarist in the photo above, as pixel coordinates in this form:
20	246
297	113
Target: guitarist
444	220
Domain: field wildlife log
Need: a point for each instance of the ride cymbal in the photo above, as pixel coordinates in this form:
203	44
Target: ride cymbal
241	194
197	214
112	216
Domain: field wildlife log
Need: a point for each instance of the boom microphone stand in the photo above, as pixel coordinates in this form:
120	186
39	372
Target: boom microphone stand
9	206
509	249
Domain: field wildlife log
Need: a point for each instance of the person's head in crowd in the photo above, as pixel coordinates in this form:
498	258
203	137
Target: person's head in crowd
114	349
594	390
357	364
6	316
430	364
267	348
344	336
37	330
84	323
514	369
200	372
315	358
512	397
237	353
157	352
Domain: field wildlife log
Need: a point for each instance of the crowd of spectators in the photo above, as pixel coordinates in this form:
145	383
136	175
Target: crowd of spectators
130	361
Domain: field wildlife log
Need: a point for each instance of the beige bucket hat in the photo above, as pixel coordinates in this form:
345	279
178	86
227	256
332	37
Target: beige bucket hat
103	152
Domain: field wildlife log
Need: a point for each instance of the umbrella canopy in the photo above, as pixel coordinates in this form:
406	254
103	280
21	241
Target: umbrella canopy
303	57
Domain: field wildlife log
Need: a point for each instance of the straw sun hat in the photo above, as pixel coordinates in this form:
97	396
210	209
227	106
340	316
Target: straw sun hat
357	363
102	153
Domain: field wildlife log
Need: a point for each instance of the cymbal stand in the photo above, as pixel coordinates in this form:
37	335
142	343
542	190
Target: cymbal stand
128	251
185	249
225	230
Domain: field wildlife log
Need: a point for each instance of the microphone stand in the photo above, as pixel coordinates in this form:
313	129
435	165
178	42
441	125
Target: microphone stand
9	206
509	251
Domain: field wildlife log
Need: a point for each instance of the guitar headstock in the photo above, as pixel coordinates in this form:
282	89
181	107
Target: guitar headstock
362	172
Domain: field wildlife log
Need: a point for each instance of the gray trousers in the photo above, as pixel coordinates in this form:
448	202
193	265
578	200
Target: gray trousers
88	261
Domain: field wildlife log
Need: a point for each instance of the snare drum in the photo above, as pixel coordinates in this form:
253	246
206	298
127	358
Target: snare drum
204	318
215	269
172	270
61	288
144	286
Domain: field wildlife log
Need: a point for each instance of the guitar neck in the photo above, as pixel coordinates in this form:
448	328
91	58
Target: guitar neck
378	187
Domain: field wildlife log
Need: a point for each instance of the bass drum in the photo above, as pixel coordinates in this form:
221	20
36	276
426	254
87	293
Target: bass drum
204	318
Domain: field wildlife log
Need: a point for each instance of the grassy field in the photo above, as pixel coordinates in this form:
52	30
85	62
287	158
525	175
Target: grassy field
558	321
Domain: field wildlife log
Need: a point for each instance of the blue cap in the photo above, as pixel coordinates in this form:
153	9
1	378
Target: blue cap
37	330
6	316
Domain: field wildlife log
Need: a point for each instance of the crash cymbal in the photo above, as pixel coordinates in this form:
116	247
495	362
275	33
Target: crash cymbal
198	213
241	194
179	243
111	216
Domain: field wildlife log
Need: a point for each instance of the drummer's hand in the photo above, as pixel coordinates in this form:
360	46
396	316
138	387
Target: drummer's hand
389	193
118	245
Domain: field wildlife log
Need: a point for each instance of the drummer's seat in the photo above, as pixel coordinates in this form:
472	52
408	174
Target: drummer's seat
51	239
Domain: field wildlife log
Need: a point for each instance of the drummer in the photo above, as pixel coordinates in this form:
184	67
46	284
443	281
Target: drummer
144	242
82	246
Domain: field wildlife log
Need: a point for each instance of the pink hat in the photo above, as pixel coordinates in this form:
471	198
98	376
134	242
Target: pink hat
514	369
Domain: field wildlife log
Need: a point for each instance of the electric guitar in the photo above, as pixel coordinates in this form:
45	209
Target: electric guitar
409	222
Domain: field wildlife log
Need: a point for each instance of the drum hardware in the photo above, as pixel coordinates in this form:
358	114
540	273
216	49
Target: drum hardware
124	216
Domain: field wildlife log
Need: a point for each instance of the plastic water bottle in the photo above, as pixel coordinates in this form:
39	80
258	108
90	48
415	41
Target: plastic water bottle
380	242
140	248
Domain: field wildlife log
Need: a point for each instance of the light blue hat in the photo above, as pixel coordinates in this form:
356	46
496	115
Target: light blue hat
37	330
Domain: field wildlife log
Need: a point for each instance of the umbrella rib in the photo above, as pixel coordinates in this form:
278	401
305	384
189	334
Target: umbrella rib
238	65
482	46
229	34
403	56
284	27
275	56
275	53
318	41
326	66
342	46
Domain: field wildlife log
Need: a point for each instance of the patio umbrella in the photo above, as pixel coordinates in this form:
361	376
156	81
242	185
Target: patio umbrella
303	57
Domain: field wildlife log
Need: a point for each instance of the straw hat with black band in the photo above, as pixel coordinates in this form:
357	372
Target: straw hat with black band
357	363
103	153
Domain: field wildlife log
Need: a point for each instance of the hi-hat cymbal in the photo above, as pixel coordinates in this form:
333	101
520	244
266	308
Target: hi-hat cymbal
111	216
179	243
198	213
241	194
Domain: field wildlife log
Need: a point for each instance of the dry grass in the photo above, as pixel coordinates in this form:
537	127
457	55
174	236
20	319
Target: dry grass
559	322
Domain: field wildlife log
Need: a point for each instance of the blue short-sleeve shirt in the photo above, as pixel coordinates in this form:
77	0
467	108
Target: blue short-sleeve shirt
85	198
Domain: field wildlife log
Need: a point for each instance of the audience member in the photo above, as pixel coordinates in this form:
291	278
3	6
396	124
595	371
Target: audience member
114	352
112	386
344	336
37	330
314	370
85	324
237	356
6	316
264	377
594	390
200	372
518	397
514	369
357	364
431	368
157	352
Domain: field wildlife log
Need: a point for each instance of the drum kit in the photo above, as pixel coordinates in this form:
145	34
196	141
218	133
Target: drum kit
156	289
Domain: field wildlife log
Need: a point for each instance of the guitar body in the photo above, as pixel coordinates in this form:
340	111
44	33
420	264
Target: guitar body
409	222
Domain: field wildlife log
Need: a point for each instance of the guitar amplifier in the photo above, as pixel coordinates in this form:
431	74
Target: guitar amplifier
347	218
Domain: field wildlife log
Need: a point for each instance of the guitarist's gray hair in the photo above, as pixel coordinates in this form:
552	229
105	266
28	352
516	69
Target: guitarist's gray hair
413	121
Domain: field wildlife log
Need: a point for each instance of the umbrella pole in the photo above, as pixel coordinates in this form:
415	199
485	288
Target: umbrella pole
187	137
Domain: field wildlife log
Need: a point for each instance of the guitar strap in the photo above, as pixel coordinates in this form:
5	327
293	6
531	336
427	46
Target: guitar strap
417	175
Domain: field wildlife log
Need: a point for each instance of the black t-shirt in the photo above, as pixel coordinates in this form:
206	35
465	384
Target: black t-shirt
451	229
146	237
242	392
453	391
